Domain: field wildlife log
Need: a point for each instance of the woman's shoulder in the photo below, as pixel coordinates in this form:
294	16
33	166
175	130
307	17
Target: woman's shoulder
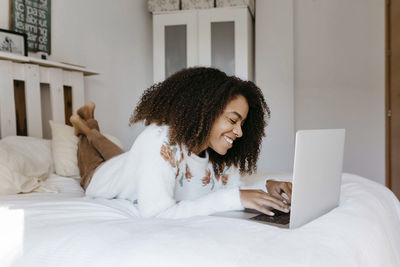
155	136
150	140
154	132
154	141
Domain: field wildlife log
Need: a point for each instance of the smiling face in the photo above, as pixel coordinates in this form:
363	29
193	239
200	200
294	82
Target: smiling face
228	126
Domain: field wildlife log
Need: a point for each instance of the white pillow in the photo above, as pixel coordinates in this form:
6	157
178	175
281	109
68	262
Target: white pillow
24	165
65	148
32	147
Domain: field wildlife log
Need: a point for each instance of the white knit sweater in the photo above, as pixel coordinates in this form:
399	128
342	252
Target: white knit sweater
163	181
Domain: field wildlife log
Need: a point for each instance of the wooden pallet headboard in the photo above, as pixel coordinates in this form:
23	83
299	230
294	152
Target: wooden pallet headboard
34	91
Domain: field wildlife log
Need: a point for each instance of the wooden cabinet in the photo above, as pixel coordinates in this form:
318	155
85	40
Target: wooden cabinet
218	37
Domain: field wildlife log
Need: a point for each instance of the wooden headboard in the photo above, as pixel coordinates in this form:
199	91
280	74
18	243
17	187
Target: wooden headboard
34	91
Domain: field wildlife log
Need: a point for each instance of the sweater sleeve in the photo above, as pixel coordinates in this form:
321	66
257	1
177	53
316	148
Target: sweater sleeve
156	184
234	178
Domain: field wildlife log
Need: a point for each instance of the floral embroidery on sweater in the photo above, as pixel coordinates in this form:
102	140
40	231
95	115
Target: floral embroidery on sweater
206	180
224	179
223	176
178	162
188	174
169	154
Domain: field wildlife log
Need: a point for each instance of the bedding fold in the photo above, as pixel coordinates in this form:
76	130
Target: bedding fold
22	173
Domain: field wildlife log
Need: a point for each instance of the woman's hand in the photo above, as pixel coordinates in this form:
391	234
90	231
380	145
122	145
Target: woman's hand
276	189
259	200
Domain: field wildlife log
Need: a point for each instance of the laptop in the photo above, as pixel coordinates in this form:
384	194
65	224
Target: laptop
316	181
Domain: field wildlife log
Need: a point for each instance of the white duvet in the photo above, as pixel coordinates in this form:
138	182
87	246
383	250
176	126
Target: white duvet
67	229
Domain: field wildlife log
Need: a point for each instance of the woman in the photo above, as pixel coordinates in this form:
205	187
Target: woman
203	129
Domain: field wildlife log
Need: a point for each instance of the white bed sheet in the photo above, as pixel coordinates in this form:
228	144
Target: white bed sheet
67	229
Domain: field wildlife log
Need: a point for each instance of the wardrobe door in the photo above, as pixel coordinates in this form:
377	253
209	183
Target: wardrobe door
174	42
226	40
393	97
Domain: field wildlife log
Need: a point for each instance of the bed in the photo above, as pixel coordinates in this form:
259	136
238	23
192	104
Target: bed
69	229
59	226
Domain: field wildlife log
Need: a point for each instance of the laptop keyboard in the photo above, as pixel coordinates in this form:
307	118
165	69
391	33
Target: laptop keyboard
279	217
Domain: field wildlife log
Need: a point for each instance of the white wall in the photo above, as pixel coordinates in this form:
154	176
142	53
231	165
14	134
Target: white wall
339	77
113	38
320	64
4	11
274	75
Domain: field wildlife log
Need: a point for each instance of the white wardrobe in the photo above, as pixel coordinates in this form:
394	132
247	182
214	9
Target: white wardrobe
217	37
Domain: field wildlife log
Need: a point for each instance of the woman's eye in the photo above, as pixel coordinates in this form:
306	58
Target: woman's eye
232	121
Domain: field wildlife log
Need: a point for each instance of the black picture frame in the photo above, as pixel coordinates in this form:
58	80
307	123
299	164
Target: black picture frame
13	42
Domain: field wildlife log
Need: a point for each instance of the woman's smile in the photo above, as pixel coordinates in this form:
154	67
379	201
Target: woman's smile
229	140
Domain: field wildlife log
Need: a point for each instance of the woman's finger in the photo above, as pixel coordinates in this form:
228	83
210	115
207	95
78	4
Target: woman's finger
260	208
278	196
288	190
276	206
273	204
277	201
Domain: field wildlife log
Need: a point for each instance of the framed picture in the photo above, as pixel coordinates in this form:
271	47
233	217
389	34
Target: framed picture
13	42
32	17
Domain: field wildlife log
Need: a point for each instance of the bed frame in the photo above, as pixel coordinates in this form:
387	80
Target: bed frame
33	91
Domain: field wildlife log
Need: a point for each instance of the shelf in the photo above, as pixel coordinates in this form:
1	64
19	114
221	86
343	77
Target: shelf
45	63
206	9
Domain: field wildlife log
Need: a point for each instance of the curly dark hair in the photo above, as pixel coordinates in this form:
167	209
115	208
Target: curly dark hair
191	100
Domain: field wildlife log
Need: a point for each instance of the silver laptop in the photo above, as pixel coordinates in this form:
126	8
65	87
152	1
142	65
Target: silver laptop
316	181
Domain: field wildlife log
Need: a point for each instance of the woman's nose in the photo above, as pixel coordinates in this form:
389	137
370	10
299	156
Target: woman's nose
238	131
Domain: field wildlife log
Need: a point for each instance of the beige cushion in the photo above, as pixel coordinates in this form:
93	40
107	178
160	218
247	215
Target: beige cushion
65	147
